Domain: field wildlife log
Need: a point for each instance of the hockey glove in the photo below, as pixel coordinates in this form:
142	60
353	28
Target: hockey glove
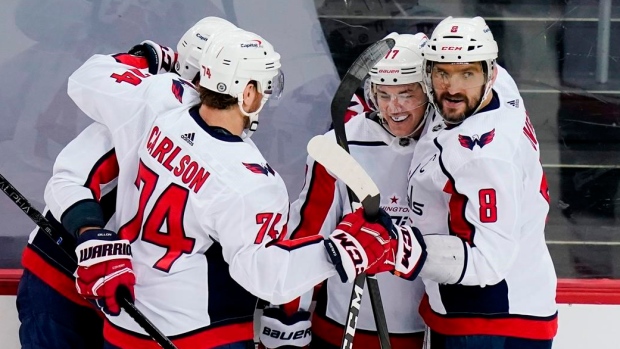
279	330
104	264
158	57
410	252
358	246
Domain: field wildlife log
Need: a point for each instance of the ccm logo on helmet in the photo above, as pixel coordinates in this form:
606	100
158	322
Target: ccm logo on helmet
451	48
287	336
389	71
253	43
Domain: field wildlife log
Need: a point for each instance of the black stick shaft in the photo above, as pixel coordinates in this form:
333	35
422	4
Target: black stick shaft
351	81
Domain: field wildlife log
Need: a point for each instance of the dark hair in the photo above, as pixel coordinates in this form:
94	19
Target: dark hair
218	100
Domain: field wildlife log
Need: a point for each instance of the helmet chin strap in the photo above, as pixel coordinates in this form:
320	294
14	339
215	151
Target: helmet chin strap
253	116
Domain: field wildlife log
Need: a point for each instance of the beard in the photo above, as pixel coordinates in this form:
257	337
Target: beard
459	114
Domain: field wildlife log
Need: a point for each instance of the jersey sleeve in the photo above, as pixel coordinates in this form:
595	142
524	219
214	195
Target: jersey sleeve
318	209
85	172
485	212
268	266
109	90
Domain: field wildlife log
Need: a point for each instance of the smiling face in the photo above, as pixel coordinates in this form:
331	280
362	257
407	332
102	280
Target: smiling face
401	107
458	89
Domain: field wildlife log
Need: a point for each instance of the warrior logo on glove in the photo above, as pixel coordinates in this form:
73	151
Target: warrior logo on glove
97	251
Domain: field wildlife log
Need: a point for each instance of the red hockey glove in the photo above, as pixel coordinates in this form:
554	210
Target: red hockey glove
158	57
410	252
104	264
358	246
278	330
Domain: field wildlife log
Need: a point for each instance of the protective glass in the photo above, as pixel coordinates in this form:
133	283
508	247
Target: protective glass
457	80
276	86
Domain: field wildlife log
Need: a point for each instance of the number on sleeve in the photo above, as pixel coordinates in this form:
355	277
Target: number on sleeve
266	222
488	205
131	76
169	208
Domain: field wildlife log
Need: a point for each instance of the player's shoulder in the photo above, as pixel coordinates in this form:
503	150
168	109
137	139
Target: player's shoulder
170	91
491	135
243	169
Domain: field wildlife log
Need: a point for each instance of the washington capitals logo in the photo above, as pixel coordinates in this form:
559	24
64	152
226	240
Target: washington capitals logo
262	169
177	89
470	142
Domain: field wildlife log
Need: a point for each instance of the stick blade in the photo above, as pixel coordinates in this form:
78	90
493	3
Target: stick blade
337	161
353	79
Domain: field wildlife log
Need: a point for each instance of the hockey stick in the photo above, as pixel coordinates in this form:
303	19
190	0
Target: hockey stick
351	82
342	165
123	298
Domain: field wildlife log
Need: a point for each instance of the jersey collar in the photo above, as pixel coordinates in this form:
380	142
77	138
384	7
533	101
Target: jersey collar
216	132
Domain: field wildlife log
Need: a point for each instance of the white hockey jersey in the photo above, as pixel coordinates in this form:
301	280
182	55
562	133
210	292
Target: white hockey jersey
199	206
483	182
321	205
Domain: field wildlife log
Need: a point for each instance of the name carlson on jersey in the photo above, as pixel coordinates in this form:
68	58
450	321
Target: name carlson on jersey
166	152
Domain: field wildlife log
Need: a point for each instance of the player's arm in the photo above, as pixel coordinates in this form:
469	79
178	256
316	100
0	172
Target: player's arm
114	89
280	270
85	171
484	223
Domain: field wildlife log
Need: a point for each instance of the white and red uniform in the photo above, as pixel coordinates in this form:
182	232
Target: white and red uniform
321	205
483	182
199	206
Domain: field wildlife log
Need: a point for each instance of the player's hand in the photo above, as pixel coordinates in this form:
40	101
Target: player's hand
279	330
358	246
104	264
410	251
158	57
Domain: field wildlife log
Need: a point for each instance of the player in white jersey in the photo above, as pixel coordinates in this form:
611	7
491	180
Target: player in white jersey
52	313
380	140
202	209
478	193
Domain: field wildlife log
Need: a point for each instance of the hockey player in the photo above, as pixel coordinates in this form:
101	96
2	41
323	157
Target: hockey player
202	209
380	140
51	312
478	193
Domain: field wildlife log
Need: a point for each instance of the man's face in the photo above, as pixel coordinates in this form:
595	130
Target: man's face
458	89
401	106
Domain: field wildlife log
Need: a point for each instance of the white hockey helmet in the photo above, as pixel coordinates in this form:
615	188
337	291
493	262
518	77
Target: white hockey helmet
190	46
461	40
404	62
231	59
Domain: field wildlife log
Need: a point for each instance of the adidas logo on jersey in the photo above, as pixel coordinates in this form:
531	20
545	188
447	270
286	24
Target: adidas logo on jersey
189	138
514	103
